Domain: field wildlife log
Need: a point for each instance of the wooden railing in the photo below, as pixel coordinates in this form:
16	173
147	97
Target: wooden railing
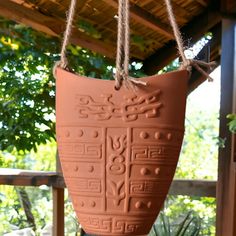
17	177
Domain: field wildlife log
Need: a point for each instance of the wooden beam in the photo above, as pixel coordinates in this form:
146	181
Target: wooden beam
180	13
145	18
52	27
200	188
194	30
228	7
226	191
204	3
17	177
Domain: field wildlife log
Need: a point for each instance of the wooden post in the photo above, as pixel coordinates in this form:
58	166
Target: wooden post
58	206
58	212
226	191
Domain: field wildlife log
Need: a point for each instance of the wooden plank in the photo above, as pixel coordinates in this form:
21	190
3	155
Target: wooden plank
52	26
226	191
180	13
24	178
145	18
228	7
200	188
58	212
18	177
204	3
194	30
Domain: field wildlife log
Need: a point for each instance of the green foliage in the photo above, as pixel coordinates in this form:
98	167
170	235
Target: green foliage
201	207
72	227
199	155
142	43
232	122
89	64
198	160
27	120
189	225
172	66
88	28
12	215
27	86
43	159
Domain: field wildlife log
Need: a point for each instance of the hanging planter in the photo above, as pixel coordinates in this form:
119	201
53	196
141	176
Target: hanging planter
119	147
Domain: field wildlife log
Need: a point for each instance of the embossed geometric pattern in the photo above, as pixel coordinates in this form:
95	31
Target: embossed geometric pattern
118	152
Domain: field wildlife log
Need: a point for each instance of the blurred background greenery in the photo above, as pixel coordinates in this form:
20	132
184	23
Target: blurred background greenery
27	134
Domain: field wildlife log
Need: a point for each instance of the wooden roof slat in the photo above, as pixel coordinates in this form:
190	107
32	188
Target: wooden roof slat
145	18
194	30
204	3
180	13
150	28
228	7
206	188
52	26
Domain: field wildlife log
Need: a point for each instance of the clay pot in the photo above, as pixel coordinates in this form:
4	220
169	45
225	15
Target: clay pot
119	149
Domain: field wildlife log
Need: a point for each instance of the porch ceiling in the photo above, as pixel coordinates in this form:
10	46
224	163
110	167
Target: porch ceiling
95	26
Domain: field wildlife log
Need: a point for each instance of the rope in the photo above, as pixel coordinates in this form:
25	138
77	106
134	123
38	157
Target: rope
63	63
187	63
127	38
123	49
120	43
123	46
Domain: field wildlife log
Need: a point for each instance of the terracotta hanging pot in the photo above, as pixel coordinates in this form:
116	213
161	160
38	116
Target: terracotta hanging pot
119	149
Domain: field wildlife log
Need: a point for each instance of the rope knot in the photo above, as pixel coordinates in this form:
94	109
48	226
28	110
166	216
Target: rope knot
122	77
187	65
199	65
119	77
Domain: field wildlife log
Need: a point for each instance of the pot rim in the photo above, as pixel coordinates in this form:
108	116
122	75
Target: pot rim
157	76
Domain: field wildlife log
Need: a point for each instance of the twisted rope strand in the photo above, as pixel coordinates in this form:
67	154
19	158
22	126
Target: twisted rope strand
126	38
123	49
66	38
123	46
187	63
176	30
120	43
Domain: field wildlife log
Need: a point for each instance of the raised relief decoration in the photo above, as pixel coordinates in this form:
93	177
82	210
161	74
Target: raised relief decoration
129	110
116	194
119	150
116	167
116	164
114	226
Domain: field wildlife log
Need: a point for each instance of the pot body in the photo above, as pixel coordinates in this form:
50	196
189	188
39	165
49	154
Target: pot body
119	149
